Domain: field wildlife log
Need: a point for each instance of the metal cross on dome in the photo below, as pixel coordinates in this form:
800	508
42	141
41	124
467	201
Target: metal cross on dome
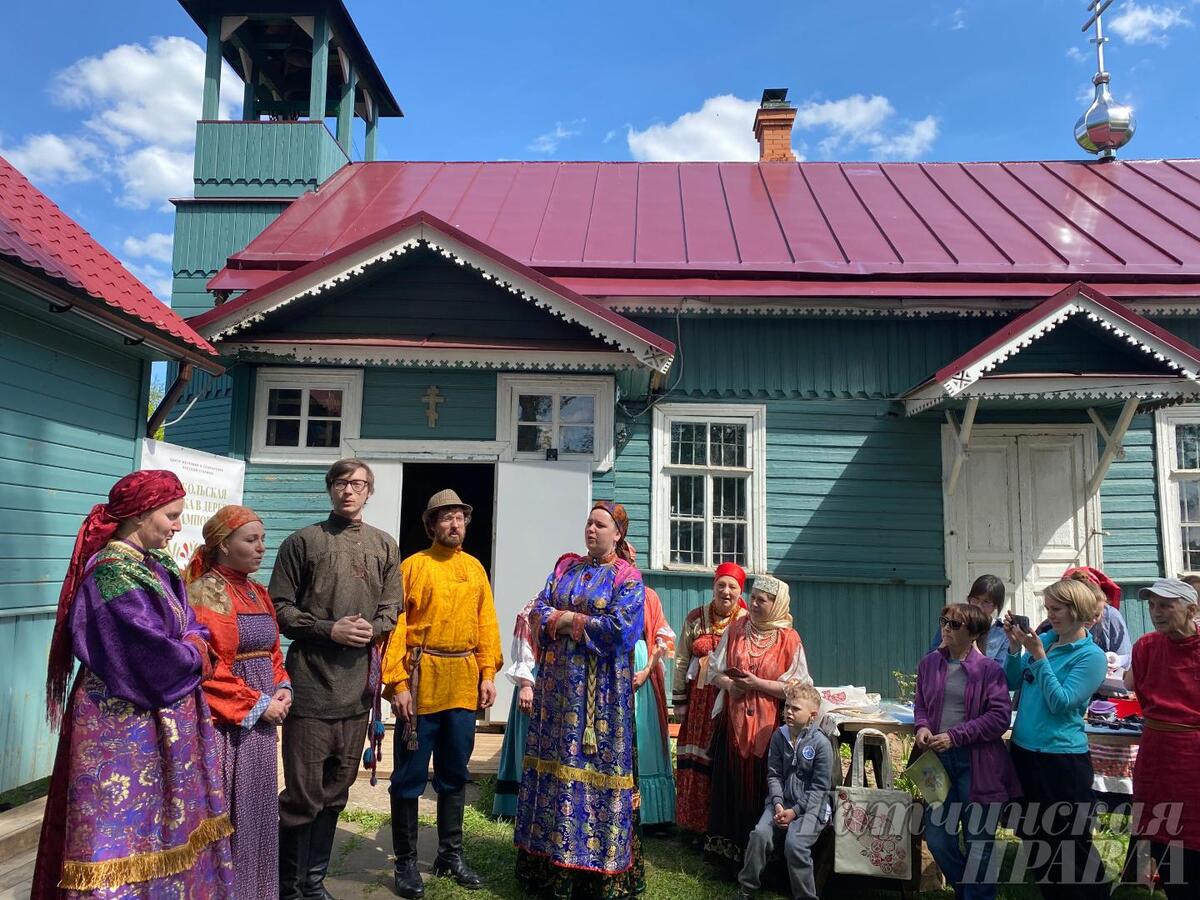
1106	126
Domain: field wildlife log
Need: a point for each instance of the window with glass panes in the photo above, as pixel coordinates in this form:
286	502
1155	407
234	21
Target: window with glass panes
565	422
304	417
1184	484
708	472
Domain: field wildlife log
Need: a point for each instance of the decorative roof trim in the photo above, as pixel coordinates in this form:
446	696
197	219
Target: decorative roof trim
1058	388
316	278
421	357
802	307
957	377
866	307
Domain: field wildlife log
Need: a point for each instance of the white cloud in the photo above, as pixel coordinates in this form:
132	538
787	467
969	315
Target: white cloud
140	106
722	129
152	174
1076	55
154	246
51	159
144	95
1147	24
857	122
958	19
548	142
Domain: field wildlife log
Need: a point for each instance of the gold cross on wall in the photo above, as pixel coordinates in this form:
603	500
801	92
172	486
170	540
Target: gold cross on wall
432	399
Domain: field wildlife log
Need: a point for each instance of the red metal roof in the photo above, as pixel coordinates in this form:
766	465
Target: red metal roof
39	235
962	221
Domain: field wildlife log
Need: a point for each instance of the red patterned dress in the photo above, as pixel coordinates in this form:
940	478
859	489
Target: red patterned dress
693	766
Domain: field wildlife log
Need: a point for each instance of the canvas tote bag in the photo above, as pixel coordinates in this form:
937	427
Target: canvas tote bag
872	826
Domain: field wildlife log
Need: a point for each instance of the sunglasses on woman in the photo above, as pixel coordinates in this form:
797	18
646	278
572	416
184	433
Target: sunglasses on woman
952	624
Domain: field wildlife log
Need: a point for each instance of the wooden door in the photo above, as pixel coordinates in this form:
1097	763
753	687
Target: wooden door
1054	528
1020	512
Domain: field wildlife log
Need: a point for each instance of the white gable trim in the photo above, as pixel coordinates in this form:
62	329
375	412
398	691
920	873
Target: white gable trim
429	357
966	381
395	246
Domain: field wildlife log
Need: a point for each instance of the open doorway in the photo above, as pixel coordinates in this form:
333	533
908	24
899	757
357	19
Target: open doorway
475	483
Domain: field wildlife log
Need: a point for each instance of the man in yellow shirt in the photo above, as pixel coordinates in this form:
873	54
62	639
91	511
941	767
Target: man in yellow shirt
439	668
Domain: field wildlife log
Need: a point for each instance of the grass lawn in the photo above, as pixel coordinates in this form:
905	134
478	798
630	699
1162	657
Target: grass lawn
674	870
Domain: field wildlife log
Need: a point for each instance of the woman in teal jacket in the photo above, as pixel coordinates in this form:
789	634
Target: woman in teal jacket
1057	674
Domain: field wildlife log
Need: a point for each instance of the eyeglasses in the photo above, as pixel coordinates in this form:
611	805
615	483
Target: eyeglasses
358	485
448	517
952	624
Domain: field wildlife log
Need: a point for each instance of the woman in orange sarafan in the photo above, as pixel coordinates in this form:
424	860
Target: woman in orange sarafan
250	692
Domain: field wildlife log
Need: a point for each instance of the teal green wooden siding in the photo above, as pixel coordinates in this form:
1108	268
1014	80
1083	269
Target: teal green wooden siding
264	159
287	498
71	415
207	424
852	357
206	235
393	408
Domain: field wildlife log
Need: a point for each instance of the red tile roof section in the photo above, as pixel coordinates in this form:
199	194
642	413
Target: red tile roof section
38	234
961	221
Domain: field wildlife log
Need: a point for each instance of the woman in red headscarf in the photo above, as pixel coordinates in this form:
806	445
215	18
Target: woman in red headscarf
693	698
136	806
250	692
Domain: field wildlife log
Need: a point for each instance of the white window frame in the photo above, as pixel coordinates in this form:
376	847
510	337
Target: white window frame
754	417
348	381
1170	536
510	387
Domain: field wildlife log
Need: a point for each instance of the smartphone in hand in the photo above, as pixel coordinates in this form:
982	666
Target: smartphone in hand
1021	623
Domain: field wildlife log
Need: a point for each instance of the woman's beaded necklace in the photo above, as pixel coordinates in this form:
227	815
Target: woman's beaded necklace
760	642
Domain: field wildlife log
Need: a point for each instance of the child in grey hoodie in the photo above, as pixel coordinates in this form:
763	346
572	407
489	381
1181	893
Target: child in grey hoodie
799	781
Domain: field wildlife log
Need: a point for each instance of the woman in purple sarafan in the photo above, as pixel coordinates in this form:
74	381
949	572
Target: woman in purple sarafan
136	806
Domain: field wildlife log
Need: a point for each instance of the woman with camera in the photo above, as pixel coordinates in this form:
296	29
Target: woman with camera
1056	674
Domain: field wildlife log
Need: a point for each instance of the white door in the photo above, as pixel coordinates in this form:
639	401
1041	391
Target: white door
1021	511
1054	529
541	508
989	515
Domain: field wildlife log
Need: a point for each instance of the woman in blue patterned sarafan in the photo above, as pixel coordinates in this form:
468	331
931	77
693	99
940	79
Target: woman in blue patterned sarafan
577	831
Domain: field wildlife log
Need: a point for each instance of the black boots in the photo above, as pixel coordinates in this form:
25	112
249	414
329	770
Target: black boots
404	843
450	841
320	848
293	860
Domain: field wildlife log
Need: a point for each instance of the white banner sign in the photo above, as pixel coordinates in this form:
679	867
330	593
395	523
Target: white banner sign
211	482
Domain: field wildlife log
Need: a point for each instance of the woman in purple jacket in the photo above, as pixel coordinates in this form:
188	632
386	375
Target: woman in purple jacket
960	711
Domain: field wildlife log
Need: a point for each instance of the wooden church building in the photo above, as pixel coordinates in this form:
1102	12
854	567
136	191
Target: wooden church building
875	380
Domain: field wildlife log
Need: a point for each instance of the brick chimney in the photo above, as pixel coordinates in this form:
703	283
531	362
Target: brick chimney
773	126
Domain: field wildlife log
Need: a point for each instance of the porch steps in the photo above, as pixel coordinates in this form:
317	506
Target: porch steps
19	831
16	875
20	827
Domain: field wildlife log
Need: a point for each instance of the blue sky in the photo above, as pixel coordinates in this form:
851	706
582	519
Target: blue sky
102	118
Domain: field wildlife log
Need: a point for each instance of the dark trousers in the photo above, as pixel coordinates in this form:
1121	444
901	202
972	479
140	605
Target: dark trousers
1179	870
320	761
1061	855
449	737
